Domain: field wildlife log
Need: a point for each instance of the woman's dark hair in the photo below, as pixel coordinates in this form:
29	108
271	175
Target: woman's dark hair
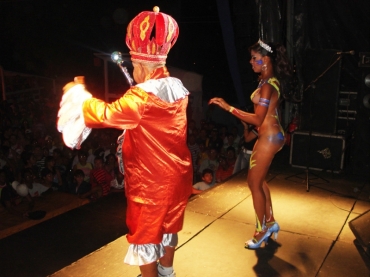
280	63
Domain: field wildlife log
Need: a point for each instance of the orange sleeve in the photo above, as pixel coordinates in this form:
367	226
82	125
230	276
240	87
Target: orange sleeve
124	113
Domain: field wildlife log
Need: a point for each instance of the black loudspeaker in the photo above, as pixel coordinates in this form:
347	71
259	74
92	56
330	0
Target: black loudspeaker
361	143
327	152
320	99
360	227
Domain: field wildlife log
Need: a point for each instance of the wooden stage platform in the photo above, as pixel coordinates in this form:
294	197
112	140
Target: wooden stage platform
54	204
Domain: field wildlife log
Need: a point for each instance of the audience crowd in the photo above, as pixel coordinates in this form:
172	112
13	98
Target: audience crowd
32	154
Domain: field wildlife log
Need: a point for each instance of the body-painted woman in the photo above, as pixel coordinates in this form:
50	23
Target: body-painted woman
271	63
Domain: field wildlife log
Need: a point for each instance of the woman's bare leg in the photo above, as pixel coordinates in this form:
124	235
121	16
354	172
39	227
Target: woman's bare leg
256	177
268	209
263	153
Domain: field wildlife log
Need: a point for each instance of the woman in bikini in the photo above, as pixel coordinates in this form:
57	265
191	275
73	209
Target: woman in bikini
271	63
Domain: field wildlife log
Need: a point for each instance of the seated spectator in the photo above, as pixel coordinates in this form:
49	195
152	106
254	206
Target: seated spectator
111	164
202	137
9	167
3	159
16	165
194	151
110	149
5	138
78	185
90	157
224	170
246	145
231	157
235	132
35	189
45	151
57	177
223	133
214	140
47	179
61	163
211	162
100	180
10	199
39	157
3	180
15	146
82	164
230	142
206	183
118	182
49	145
29	162
98	151
192	128
28	137
203	154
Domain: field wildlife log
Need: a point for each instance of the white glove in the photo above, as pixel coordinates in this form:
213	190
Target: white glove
70	116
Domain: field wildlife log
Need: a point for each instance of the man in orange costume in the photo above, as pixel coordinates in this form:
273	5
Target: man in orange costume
157	162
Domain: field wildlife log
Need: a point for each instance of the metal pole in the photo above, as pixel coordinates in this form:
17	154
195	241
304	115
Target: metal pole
2	82
289	31
289	49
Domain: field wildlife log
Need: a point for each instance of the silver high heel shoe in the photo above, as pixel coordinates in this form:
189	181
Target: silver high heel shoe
274	229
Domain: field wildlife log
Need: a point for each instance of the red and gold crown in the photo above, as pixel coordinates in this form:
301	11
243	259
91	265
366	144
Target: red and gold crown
151	35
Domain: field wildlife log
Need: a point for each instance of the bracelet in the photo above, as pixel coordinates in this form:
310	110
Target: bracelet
231	109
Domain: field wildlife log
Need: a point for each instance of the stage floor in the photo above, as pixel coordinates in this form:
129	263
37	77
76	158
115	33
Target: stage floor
314	240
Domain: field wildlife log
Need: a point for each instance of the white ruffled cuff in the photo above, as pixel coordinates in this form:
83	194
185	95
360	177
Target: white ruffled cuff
71	121
142	254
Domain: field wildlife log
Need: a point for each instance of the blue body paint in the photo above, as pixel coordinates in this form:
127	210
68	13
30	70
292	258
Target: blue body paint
259	62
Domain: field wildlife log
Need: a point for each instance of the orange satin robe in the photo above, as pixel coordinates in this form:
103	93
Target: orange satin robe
156	158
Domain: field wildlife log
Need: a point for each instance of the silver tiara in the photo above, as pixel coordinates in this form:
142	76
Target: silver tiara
265	46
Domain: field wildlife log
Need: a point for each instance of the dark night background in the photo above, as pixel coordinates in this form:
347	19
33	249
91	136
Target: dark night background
57	39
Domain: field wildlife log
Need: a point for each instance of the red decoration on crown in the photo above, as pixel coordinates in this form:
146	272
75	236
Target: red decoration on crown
151	35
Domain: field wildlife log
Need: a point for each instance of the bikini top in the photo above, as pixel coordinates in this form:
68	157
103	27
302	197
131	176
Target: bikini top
272	81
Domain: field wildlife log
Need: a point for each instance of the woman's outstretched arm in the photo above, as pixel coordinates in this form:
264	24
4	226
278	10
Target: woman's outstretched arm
255	118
